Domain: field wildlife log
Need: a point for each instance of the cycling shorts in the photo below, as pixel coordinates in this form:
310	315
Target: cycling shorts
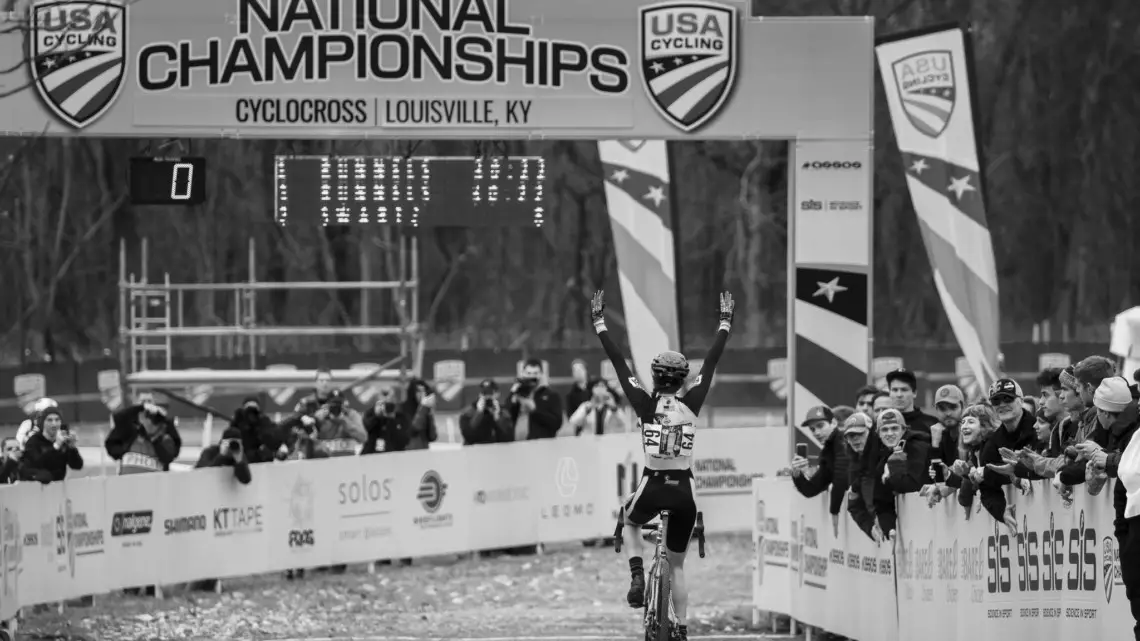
673	490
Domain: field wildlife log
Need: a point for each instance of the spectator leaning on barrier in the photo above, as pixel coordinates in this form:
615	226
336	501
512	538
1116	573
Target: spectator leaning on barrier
905	457
260	436
979	421
486	421
1087	377
831	473
387	427
12	469
535	408
949	403
51	446
340	428
419	407
1016	432
143	439
579	391
1115	402
599	414
229	452
865	398
903	385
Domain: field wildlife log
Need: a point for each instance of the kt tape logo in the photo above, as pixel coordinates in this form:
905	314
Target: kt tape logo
431	491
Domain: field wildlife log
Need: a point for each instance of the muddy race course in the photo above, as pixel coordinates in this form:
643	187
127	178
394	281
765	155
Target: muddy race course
570	591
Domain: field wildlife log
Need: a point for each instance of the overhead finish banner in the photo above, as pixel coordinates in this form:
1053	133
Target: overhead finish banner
358	68
643	218
927	80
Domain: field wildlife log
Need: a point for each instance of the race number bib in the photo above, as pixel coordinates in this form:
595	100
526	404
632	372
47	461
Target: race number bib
136	459
668	441
340	446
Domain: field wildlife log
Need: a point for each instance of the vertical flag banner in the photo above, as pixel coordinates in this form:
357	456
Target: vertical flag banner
641	216
929	88
829	280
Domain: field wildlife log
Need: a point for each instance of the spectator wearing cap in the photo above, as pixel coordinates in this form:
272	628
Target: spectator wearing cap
484	421
1087	376
949	403
903	386
1115	403
598	414
831	472
864	397
1016	432
907	456
872	501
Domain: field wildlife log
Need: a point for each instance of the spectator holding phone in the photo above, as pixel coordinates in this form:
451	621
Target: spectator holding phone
599	414
831	474
486	420
419	407
51	446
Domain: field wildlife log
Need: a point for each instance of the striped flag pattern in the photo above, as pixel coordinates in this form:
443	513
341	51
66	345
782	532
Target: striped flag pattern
829	284
641	217
929	88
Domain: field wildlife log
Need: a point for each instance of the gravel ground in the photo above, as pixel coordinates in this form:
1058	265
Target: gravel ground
570	590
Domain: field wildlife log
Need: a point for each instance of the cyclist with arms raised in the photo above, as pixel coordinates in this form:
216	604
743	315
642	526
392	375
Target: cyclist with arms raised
667	434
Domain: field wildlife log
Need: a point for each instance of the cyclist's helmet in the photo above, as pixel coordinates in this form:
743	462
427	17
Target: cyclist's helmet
669	369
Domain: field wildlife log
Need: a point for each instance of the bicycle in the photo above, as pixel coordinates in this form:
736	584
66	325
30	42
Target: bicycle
659	589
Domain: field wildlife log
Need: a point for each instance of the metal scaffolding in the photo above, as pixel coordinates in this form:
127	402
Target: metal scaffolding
151	316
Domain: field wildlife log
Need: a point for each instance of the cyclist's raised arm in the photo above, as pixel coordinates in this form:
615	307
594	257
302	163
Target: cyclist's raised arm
695	397
637	396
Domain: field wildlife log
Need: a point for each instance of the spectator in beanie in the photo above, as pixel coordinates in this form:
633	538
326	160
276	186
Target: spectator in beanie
864	397
1016	432
599	415
831	473
579	391
1115	402
903	385
51	446
486	421
949	403
260	436
144	439
419	407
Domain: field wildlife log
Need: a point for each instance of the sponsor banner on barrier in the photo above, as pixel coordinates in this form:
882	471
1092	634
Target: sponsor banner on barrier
1057	577
503	497
133	544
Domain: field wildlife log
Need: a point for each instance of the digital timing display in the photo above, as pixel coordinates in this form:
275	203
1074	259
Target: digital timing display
167	181
426	191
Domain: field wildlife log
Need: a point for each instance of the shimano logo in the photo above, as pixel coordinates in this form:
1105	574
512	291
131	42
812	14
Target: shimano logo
183	524
131	523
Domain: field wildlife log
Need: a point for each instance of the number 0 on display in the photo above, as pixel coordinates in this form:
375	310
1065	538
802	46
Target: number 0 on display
175	178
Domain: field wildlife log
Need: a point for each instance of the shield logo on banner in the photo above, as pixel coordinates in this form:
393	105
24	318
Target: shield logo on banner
29	388
78	57
110	391
927	90
281	395
688	59
449	377
367	391
632	145
778	377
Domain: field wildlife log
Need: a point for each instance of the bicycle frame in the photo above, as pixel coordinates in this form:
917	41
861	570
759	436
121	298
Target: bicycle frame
659	586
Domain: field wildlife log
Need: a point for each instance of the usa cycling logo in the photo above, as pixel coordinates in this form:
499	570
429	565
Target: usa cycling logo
688	59
77	58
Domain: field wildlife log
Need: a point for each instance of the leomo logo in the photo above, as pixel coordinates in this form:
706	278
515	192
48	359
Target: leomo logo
77	56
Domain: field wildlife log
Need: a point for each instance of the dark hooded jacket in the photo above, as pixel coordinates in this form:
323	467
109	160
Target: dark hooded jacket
138	451
421	419
831	474
212	457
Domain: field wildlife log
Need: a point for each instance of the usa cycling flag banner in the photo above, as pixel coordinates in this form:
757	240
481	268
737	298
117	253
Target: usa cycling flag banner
929	87
642	218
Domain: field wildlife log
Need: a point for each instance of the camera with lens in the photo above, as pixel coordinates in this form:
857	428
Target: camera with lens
525	387
232	445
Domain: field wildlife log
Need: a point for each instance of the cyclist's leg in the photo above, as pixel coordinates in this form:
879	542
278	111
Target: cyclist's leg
684	518
639	510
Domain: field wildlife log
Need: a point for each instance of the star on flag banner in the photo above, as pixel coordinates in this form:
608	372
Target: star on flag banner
636	176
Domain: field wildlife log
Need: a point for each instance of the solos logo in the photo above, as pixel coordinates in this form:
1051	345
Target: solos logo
688	59
430	493
78	57
131	523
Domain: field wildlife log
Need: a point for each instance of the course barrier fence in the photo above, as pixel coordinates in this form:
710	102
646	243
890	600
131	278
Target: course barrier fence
94	535
946	577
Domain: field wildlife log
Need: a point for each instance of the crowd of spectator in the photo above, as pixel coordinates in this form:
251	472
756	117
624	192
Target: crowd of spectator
1074	433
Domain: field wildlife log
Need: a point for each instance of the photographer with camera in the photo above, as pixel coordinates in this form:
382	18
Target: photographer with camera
340	429
536	410
144	439
485	422
419	407
229	452
259	435
12	468
599	414
387	427
51	446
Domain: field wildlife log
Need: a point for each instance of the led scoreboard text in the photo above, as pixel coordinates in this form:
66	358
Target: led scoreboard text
434	191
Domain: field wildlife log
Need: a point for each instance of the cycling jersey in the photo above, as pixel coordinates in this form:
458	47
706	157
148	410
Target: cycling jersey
667	421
